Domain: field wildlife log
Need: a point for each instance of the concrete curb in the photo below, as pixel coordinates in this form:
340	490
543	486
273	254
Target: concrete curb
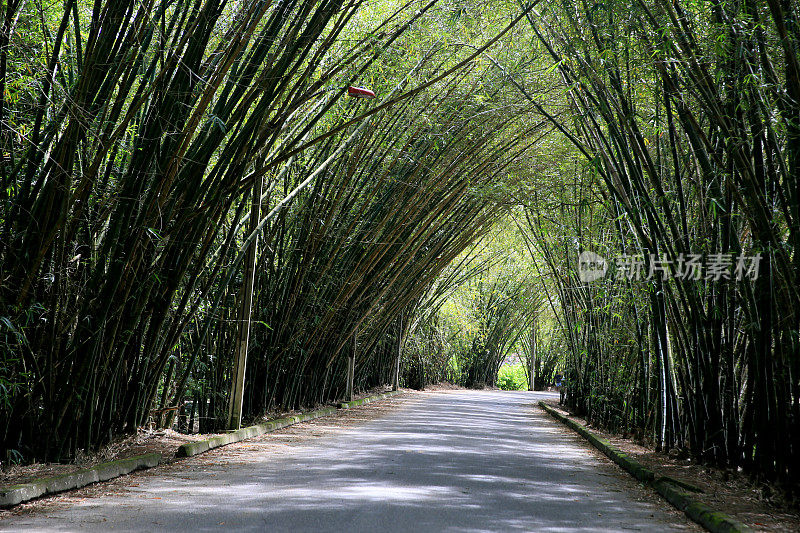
193	448
15	494
713	521
368	399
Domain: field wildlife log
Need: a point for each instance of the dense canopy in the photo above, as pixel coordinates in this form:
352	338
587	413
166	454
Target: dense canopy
196	214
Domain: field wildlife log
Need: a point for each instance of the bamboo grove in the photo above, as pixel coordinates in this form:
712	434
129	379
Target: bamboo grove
129	162
684	126
165	163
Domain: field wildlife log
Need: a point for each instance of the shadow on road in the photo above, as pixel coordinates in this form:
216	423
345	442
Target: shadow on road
453	461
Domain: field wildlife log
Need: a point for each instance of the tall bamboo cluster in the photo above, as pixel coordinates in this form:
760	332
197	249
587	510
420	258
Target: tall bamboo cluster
347	267
689	116
135	136
119	176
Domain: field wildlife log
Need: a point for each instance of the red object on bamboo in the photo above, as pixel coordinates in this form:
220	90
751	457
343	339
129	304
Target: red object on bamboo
360	92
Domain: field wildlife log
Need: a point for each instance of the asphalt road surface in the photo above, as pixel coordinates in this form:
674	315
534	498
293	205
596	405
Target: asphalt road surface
456	461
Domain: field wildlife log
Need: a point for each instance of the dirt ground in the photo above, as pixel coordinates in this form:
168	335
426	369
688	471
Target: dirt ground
723	490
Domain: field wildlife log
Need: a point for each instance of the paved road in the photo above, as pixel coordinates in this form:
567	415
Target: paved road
456	461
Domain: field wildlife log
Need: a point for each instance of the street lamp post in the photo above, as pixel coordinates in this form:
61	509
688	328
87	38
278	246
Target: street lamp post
236	398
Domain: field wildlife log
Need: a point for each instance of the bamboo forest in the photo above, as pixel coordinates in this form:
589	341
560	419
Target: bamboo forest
216	210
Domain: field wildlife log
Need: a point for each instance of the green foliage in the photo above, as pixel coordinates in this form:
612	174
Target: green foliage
512	377
132	136
677	151
446	224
